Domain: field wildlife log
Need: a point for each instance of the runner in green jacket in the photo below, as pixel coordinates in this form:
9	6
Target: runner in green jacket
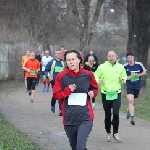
111	75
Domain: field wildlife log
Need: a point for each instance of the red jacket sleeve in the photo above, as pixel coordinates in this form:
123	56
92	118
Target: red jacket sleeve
58	92
94	86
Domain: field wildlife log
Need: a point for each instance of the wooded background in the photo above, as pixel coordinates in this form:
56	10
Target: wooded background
101	25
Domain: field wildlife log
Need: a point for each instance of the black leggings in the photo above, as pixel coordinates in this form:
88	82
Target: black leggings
93	100
31	82
38	78
53	101
78	135
115	105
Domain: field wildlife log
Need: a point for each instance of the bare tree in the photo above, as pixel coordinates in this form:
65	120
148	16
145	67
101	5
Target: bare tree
86	18
33	16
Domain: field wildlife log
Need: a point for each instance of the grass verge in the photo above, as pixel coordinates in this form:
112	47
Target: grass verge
10	137
141	108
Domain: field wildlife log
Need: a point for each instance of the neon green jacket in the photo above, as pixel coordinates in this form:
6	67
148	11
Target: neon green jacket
111	75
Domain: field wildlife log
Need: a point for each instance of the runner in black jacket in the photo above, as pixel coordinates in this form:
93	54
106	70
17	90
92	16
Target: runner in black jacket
91	53
38	57
91	65
75	87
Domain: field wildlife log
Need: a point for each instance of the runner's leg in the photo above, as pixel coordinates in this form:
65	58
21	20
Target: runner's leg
25	81
47	84
71	132
34	81
28	80
53	100
93	100
93	103
44	82
130	98
83	133
29	85
107	108
136	94
38	78
116	106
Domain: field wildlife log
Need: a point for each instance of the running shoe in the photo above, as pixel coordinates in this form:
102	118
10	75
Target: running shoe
30	93
53	109
31	100
93	105
128	114
44	89
108	137
132	120
60	113
116	138
47	90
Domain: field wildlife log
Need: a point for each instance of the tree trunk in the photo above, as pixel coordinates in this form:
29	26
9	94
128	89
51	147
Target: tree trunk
149	26
91	14
95	8
138	12
84	30
86	19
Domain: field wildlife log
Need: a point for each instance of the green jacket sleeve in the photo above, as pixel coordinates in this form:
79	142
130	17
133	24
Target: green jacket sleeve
123	74
98	74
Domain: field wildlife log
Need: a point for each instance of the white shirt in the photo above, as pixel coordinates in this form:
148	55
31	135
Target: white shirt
45	61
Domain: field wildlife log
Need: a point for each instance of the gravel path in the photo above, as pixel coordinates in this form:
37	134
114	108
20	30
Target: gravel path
45	128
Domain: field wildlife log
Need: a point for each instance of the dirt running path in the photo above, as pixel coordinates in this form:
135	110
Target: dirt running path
45	128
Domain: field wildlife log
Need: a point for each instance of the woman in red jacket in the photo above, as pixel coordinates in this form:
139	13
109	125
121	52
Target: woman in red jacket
75	87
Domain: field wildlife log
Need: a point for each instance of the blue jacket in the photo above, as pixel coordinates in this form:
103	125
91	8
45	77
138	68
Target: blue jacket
58	67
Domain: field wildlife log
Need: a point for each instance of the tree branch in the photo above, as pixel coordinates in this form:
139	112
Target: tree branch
76	13
94	19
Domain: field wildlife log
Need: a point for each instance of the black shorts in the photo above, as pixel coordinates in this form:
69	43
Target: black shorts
31	83
133	92
38	74
24	74
43	73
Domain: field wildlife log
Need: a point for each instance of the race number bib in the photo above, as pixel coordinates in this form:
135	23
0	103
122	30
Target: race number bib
32	72
134	78
111	95
77	99
58	69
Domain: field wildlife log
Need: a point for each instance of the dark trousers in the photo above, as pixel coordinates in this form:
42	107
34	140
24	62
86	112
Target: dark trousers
93	100
78	135
38	78
53	100
115	105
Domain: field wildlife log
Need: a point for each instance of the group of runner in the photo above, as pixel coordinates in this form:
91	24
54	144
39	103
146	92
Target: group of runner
68	71
50	68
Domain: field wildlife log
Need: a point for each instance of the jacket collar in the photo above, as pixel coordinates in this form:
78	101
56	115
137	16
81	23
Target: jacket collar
58	60
108	63
74	74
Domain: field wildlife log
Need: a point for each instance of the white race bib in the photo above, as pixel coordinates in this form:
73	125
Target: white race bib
77	99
